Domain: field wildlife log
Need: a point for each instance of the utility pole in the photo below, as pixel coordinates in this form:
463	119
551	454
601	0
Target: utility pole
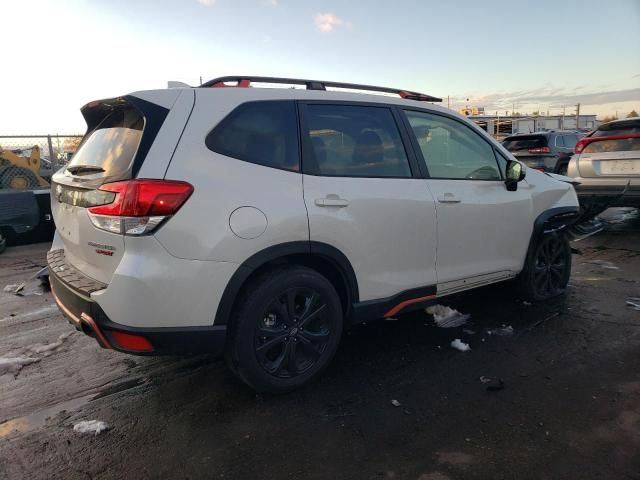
562	121
578	117
448	106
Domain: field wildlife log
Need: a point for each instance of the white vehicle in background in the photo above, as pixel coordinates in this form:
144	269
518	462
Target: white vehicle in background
607	166
261	222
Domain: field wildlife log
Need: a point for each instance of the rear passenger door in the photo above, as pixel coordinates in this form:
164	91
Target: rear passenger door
365	198
483	229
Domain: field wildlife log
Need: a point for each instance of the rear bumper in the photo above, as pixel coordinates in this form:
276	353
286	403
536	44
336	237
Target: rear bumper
616	195
73	297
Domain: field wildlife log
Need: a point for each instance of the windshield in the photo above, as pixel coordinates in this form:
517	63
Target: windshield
108	150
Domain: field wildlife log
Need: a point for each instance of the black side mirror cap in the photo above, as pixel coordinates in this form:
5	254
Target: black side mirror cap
515	172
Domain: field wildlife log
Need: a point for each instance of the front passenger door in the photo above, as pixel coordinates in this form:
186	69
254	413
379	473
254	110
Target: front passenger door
364	197
483	229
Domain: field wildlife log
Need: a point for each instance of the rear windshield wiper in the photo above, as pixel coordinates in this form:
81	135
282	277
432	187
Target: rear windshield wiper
75	169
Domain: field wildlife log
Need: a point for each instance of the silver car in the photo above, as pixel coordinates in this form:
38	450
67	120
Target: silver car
607	165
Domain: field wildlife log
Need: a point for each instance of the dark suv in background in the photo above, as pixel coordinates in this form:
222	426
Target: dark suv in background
546	151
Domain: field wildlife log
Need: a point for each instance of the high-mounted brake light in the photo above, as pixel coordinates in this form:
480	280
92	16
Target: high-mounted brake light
539	150
139	206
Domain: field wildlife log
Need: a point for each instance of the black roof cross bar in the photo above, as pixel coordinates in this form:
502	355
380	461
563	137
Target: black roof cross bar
246	80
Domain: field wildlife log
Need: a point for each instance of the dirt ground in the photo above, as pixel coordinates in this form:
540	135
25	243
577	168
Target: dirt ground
569	409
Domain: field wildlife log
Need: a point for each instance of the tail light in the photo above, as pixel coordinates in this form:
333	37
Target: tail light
139	206
539	150
583	142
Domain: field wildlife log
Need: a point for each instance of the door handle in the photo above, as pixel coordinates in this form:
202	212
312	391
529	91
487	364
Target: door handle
448	198
331	201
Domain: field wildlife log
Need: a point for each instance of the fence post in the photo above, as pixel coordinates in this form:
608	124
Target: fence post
51	159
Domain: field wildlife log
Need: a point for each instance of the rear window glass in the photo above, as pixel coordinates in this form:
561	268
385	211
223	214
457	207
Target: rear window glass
265	133
109	148
524	142
567	141
628	127
622	145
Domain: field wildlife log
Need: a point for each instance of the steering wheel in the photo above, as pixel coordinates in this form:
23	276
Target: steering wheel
484	173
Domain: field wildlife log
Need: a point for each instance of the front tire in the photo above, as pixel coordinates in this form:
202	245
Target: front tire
548	268
286	329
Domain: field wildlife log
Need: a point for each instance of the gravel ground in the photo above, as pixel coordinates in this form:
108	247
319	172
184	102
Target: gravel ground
559	398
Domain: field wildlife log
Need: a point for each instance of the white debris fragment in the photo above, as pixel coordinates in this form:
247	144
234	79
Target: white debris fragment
526	304
468	331
46	348
391	319
91	426
395	403
634	303
15	364
460	345
15	288
484	379
604	264
447	317
505	331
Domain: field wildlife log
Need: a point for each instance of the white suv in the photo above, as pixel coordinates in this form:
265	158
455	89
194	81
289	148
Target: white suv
261	222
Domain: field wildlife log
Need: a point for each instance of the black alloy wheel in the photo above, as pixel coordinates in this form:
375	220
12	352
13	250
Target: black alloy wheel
551	267
293	333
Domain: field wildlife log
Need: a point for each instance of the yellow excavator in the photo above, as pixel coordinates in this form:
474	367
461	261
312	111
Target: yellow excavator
20	172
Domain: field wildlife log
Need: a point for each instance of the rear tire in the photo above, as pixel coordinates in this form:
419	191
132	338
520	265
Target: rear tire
547	269
286	329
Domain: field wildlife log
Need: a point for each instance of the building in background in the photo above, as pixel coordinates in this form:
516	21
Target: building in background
500	126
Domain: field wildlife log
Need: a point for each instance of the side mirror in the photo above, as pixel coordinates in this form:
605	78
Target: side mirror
515	173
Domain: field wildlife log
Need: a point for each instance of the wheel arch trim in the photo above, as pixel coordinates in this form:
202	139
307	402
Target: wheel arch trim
282	251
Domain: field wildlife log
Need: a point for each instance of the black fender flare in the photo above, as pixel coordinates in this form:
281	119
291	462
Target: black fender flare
281	251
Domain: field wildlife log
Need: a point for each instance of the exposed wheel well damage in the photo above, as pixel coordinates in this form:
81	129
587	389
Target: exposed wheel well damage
323	258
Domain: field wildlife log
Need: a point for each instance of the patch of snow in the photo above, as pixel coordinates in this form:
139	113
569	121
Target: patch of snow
46	348
395	403
14	364
468	331
505	331
460	345
91	426
484	379
447	317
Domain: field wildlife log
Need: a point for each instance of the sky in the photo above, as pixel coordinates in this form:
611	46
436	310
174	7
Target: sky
60	54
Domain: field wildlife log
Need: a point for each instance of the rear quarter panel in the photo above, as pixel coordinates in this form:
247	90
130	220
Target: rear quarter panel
201	229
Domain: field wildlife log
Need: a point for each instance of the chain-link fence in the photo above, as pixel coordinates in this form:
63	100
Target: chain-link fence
29	161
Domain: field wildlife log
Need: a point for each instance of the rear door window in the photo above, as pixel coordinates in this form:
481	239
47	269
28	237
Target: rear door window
353	141
109	149
265	133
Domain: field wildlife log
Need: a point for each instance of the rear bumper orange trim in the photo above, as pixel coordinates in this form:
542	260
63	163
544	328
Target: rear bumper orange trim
402	305
83	318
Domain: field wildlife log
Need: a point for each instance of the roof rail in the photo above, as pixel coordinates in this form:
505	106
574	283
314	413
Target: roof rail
245	81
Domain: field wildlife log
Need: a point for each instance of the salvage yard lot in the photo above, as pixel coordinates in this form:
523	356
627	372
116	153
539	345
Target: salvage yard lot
397	402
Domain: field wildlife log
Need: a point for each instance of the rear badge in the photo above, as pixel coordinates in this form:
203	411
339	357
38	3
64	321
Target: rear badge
101	249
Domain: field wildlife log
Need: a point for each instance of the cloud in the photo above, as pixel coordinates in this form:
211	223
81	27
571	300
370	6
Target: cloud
328	22
270	3
547	97
207	3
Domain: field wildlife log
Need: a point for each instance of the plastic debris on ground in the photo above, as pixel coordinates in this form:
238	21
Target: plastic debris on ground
447	317
14	364
468	331
47	349
634	303
493	384
395	403
94	427
460	345
504	331
36	284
